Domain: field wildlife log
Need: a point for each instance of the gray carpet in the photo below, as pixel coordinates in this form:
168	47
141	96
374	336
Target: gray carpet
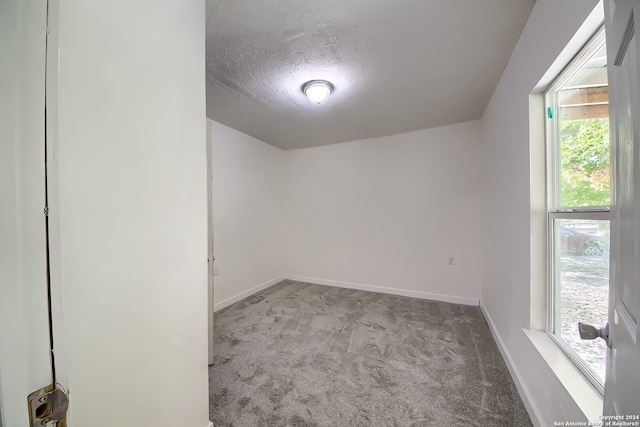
297	354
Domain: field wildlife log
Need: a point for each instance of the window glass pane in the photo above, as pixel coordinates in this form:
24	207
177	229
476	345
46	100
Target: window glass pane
581	288
585	174
583	127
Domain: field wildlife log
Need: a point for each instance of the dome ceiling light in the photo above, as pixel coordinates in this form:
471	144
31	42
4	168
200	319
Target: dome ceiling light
317	90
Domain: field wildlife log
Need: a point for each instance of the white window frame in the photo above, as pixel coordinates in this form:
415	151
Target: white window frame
554	209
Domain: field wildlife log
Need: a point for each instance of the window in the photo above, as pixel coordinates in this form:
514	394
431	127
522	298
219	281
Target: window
578	199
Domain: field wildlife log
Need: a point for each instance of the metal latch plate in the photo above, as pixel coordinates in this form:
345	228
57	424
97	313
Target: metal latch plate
48	407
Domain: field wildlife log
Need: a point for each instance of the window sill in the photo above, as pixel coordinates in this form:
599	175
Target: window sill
586	397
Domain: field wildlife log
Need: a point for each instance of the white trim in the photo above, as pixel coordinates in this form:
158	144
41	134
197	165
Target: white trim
532	409
210	424
347	285
210	256
243	295
583	393
383	290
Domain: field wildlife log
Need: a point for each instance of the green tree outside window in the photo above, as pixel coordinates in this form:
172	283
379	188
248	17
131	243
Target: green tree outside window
585	166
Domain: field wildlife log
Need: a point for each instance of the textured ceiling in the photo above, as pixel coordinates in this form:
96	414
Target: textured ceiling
397	66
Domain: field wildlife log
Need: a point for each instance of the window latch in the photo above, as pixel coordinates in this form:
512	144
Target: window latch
589	332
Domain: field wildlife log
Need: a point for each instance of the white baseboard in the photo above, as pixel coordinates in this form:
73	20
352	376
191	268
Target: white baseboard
347	285
243	295
532	409
383	290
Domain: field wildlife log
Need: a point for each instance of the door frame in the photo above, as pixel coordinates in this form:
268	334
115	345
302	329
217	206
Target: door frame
25	364
210	255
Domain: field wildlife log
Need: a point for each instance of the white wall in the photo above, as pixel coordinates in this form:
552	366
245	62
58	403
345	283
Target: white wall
249	212
132	211
24	334
506	287
390	211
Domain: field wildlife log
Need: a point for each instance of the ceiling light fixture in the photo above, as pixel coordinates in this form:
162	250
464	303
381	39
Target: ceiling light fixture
317	90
